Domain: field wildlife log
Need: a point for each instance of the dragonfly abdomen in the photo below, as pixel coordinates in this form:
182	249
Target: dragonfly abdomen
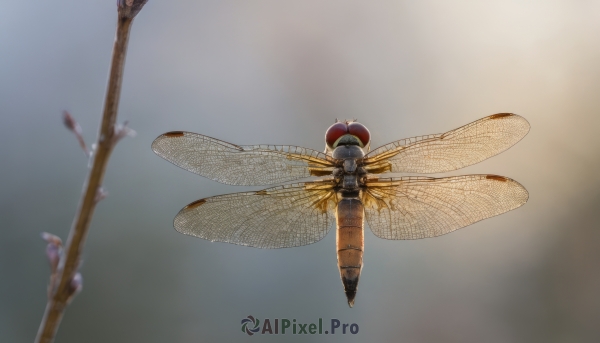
350	243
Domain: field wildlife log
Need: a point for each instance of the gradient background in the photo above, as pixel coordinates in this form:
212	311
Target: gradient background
280	72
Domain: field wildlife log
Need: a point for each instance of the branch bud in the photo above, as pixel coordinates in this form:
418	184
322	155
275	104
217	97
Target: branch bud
122	131
53	250
75	286
130	8
74	127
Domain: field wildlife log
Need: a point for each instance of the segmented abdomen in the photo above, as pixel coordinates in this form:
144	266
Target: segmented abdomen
350	243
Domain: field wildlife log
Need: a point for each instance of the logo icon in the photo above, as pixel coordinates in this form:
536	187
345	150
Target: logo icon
250	321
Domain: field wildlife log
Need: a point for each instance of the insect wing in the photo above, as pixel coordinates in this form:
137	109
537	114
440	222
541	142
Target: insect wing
422	207
240	165
452	150
279	217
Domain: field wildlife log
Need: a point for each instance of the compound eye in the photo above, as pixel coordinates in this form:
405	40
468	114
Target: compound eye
334	132
360	131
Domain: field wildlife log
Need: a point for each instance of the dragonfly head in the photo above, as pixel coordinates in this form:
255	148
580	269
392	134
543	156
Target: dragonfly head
347	132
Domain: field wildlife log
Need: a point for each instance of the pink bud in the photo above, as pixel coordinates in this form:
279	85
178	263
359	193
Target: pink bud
69	122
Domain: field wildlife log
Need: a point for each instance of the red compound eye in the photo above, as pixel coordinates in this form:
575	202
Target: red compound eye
334	132
360	131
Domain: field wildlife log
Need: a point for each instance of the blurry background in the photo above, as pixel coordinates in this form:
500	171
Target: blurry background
280	72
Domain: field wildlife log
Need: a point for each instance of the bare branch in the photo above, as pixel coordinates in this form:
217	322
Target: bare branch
67	281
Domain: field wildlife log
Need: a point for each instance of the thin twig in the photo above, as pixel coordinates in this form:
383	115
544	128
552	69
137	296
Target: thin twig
67	281
74	127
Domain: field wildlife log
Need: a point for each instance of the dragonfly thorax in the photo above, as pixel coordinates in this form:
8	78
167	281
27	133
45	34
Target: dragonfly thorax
344	152
349	172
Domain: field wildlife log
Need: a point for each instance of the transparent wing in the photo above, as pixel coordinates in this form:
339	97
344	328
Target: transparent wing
279	217
452	150
421	207
240	165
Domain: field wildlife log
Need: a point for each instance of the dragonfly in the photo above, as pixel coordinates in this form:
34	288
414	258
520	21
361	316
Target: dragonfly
346	184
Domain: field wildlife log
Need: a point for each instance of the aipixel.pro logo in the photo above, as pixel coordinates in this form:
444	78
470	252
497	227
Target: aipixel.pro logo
251	326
